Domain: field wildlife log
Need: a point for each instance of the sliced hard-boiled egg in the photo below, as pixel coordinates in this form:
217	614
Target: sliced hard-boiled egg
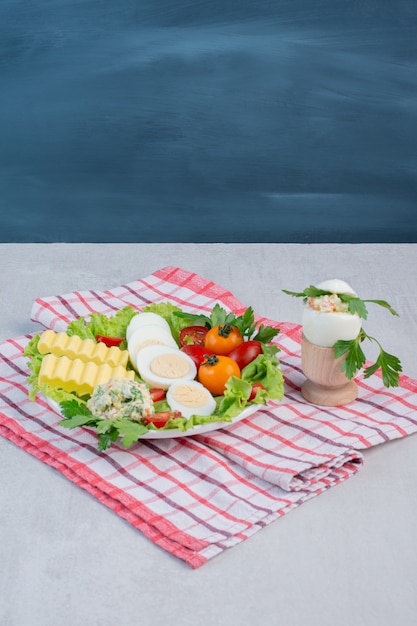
161	366
147	336
145	319
190	398
324	326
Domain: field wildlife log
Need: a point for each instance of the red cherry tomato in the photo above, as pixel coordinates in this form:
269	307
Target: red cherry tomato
197	353
193	335
254	391
246	353
223	339
109	341
159	420
157	394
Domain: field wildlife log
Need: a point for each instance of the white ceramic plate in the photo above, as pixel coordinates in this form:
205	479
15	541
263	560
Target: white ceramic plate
174	432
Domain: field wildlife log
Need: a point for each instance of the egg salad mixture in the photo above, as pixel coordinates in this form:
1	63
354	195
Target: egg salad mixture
328	303
157	369
121	398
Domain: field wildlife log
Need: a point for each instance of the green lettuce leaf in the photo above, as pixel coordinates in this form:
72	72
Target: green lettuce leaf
267	372
99	324
59	395
34	365
235	397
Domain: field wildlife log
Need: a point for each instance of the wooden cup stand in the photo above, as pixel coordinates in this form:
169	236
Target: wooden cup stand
326	384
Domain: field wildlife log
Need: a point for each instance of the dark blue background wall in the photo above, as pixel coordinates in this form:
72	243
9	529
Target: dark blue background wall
208	120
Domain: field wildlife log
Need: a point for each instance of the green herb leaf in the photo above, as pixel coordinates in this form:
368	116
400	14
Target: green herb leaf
129	431
265	334
390	367
356	305
76	414
309	292
106	439
78	420
220	316
315	292
385	305
246	322
355	357
295	294
71	408
191	319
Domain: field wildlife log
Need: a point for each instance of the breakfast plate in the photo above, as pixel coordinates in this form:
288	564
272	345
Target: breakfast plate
172	433
207	373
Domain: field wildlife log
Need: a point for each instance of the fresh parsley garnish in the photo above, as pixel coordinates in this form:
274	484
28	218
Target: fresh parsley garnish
220	317
389	364
77	414
355	304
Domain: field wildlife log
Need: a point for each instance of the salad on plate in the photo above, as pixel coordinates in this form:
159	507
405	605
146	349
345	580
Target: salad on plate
156	373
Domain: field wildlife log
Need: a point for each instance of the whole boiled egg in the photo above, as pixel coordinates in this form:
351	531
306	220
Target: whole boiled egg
149	335
161	366
326	319
145	319
190	398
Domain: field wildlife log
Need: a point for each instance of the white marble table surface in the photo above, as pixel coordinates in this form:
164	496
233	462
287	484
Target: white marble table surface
346	557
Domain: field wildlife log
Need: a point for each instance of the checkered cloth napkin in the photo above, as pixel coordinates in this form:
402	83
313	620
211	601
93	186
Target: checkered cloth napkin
196	496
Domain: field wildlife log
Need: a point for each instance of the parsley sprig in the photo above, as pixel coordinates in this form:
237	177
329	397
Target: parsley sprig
77	414
355	304
355	359
220	317
389	364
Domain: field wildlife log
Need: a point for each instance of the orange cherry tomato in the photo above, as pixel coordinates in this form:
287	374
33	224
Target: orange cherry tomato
215	371
223	339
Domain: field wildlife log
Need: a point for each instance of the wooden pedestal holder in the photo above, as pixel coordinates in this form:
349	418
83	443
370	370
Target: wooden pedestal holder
326	384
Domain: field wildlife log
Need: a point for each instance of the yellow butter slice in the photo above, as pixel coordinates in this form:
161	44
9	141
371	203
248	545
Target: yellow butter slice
75	375
74	347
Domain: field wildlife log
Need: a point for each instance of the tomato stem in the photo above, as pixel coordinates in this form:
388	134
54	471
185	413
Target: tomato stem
225	330
210	359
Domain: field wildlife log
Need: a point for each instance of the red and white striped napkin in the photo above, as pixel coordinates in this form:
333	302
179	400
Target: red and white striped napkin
196	496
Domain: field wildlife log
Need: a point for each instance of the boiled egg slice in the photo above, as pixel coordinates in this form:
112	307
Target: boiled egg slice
161	366
190	398
148	336
324	328
145	319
